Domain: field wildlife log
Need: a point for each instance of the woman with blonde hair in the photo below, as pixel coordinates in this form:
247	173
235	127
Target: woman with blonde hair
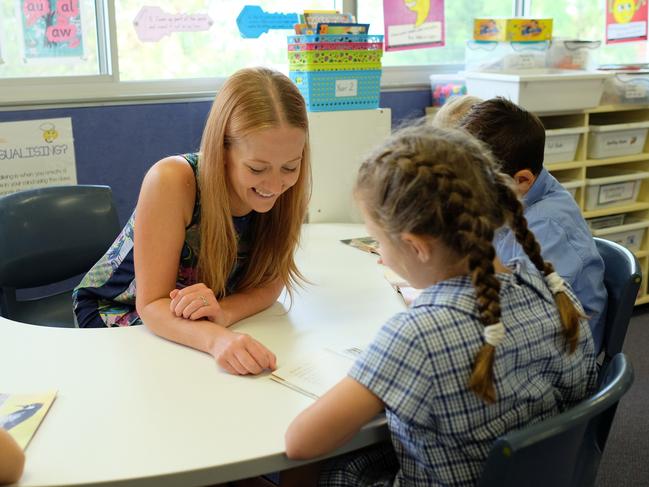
213	235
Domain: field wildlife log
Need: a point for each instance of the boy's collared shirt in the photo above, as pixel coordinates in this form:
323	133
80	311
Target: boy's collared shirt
566	241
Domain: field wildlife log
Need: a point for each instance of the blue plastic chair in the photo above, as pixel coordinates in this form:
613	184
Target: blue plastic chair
562	451
622	278
47	236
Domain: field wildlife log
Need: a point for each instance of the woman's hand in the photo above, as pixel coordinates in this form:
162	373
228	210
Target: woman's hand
241	354
197	302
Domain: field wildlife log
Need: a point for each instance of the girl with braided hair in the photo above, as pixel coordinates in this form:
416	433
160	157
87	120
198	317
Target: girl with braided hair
485	349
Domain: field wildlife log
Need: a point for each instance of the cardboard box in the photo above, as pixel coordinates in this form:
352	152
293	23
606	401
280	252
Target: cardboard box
512	29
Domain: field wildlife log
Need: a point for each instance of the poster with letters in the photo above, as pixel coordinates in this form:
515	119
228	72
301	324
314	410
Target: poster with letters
51	29
36	153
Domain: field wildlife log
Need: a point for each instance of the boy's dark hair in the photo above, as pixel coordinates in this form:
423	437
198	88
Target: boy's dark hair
515	136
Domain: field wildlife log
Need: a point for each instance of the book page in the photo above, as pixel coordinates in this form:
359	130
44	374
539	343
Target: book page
21	414
316	374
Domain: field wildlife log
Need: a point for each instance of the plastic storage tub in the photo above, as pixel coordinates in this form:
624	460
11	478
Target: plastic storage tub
606	221
498	56
619	139
444	86
561	144
629	234
546	90
609	187
627	87
573	54
572	185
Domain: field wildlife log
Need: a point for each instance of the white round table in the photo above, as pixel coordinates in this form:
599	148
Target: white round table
135	409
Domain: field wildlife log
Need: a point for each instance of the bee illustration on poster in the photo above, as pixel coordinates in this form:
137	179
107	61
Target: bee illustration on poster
51	29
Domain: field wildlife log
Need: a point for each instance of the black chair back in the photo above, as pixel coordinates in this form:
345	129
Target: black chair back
49	235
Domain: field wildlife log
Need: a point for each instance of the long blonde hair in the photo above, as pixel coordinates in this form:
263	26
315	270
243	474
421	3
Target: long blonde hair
445	184
251	99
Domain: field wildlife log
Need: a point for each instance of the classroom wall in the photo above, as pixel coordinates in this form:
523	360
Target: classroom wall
115	145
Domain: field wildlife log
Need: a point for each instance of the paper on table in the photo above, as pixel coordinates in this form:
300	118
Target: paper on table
316	374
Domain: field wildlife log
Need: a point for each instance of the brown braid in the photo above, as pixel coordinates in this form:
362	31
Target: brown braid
569	314
432	182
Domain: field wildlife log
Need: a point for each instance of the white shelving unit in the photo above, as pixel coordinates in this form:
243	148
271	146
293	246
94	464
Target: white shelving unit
578	169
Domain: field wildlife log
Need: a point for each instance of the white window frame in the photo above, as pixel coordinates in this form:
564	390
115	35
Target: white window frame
16	93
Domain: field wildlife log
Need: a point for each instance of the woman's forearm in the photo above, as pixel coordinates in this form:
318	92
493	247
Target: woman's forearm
241	305
199	334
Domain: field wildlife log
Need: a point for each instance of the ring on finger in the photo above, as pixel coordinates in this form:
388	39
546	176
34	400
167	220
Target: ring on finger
203	300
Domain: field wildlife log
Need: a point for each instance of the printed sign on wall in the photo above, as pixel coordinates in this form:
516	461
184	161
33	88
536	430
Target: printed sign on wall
413	24
152	23
36	153
626	21
51	29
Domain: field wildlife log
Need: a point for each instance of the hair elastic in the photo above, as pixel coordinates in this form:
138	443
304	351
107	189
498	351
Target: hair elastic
494	334
555	282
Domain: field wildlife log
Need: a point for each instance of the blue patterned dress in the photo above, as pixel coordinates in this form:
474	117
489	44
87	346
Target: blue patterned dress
106	295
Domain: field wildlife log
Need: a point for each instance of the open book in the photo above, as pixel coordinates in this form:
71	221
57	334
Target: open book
316	374
21	414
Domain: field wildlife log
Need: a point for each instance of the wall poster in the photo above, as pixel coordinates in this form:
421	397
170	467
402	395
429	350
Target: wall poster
36	153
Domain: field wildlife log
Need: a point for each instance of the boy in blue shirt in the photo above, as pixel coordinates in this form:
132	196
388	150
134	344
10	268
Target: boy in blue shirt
516	137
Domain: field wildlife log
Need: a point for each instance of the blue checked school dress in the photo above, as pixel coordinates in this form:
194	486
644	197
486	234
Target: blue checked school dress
419	365
106	295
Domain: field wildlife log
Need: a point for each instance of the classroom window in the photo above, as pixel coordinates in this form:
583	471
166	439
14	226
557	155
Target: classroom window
459	28
215	52
28	40
585	20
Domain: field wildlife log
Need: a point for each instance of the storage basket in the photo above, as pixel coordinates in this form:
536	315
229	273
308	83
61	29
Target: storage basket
315	39
607	187
333	46
326	91
630	234
618	139
561	144
338	60
337	71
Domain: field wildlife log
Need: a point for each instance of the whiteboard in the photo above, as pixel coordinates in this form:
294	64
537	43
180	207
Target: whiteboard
339	142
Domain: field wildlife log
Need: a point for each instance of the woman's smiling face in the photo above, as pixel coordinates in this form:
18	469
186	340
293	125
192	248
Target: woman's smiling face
263	165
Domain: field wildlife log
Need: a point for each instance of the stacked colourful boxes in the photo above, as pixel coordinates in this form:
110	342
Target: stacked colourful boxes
337	72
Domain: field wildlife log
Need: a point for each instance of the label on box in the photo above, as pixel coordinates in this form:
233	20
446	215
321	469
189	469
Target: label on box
610	193
635	91
346	87
555	146
522	61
